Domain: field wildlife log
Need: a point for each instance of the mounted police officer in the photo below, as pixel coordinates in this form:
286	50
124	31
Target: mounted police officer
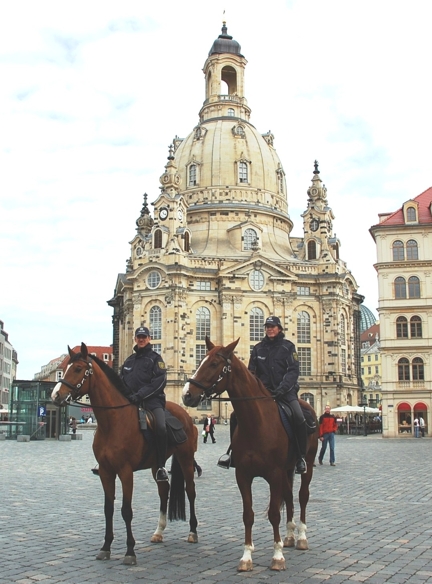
144	374
274	361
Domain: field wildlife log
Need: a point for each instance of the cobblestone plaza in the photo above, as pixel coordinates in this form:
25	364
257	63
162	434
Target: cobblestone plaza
369	519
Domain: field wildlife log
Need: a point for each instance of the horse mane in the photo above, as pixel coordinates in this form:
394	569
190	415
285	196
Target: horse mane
113	377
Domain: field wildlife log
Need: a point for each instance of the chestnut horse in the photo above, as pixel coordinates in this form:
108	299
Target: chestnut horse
120	448
260	446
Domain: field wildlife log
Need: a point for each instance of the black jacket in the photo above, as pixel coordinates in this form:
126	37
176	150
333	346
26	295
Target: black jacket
144	373
275	363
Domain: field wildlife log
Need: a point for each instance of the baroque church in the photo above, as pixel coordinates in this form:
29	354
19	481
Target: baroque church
215	257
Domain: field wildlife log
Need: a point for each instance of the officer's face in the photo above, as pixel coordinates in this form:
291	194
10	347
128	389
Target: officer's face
142	341
272	331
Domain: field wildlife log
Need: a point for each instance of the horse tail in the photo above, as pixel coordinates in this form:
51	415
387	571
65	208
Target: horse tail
177	506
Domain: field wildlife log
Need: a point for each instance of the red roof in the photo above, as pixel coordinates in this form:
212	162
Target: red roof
424	201
370	334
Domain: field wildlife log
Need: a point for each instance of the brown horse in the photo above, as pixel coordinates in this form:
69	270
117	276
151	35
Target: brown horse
120	448
260	446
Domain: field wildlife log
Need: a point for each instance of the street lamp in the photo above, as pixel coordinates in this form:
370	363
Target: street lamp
226	412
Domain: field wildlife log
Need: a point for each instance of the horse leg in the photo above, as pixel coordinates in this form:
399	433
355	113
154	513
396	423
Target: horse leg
188	473
126	477
245	487
274	515
302	543
108	484
163	490
289	540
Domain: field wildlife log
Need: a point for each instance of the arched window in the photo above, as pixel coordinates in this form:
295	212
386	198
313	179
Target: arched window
155	322
416	327
411	214
414	287
256	280
250	237
309	398
303	327
412	250
256	324
186	241
342	330
192	175
231	112
401	327
158	239
417	369
403	369
202	323
400	287
398	251
243	172
311	250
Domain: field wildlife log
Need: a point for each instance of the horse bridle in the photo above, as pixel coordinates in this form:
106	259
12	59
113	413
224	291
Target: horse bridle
75	388
208	391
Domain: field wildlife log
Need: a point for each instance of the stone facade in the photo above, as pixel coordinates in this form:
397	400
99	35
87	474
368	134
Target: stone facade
216	258
404	261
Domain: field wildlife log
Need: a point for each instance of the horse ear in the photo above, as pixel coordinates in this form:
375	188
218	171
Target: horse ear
84	350
209	344
230	348
71	353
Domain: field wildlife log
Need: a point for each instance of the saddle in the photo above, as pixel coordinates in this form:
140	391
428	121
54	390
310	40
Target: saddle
175	430
286	415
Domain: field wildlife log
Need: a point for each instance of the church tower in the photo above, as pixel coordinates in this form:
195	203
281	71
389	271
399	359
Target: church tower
217	256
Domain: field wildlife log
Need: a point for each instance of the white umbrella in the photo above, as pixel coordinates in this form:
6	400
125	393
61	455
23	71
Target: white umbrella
356	410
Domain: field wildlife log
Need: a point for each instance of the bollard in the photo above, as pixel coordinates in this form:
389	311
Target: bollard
23	438
65	437
2	436
76	436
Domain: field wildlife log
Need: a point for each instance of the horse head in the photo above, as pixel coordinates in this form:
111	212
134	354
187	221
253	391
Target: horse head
210	379
76	380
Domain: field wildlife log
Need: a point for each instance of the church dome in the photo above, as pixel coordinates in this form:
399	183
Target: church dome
367	318
225	44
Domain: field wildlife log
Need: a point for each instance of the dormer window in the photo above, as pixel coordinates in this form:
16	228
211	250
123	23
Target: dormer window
250	239
192	175
243	172
411	214
231	112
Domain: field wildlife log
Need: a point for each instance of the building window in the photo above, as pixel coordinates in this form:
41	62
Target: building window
411	214
400	287
157	347
416	327
243	172
250	238
401	327
414	287
417	369
403	369
186	241
105	357
205	404
376	369
231	112
305	363
200	353
256	324
203	285
311	247
412	250
256	280
344	362
192	175
155	321
202	324
303	327
59	375
309	398
398	251
369	370
158	239
342	330
303	291
153	280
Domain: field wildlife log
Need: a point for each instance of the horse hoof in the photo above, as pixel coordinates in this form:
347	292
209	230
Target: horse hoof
103	555
129	561
193	538
245	566
278	565
289	542
302	544
156	538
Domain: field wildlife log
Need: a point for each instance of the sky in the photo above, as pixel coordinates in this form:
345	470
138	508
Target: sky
92	94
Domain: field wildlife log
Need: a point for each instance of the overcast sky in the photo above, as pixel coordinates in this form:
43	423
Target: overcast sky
92	94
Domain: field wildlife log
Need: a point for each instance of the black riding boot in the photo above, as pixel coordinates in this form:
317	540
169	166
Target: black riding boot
161	450
226	460
301	435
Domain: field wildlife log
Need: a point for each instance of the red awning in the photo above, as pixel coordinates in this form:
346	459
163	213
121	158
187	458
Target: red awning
420	407
403	407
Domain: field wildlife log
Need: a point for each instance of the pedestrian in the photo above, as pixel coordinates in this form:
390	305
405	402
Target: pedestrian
274	361
422	426
208	429
327	429
73	425
144	374
90	419
416	427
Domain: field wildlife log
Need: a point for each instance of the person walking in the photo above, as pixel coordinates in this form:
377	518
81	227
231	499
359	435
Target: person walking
144	374
73	425
327	429
416	427
422	426
208	428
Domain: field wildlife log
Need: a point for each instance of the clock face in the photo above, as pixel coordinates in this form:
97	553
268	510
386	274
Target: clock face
314	225
180	214
163	213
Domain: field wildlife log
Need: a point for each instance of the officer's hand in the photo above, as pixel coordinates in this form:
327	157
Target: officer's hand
278	395
135	399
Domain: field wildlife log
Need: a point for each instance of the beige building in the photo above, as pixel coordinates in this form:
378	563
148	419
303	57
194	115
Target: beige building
404	261
216	256
371	366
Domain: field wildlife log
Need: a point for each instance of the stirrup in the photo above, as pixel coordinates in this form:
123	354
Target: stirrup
300	466
95	471
161	475
224	461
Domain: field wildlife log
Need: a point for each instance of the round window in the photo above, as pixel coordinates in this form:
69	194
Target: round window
256	280
153	280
